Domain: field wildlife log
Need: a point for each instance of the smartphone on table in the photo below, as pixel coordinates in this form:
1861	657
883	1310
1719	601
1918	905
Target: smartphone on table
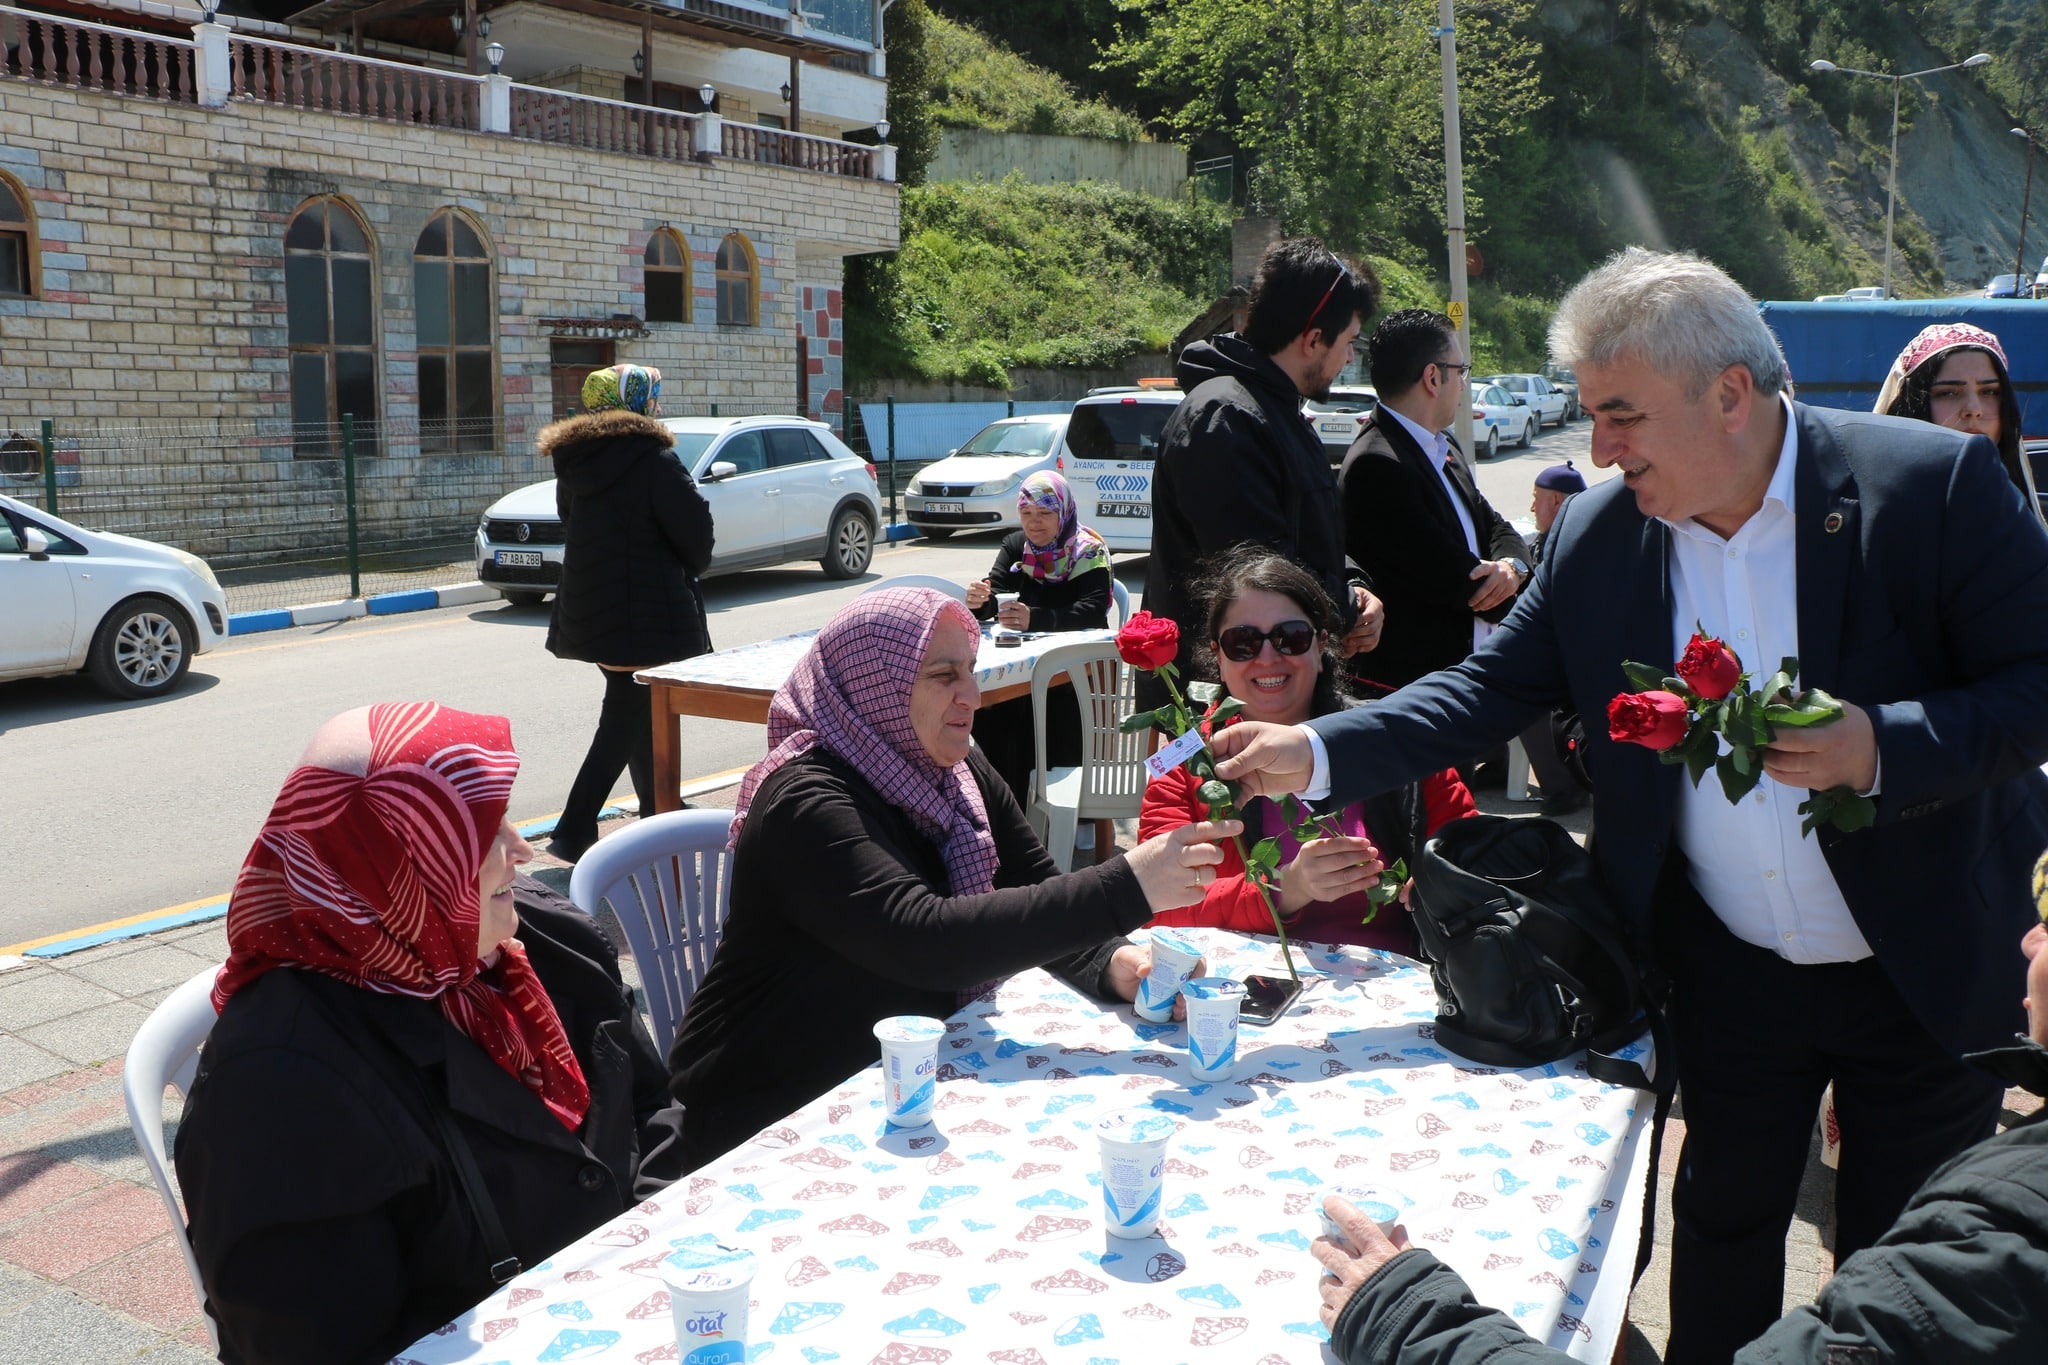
1266	998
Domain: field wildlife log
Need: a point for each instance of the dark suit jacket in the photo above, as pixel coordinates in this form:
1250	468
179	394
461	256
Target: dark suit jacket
1927	605
1400	527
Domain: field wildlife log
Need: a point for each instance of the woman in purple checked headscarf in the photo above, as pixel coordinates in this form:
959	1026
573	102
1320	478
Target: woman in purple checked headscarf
882	868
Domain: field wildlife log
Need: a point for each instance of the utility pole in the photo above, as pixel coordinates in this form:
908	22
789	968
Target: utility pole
2019	265
1454	211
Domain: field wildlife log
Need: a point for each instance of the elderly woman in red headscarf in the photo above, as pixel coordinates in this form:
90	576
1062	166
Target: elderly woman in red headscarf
426	1073
883	868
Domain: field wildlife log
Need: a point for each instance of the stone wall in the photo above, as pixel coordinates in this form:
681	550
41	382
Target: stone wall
1155	168
162	300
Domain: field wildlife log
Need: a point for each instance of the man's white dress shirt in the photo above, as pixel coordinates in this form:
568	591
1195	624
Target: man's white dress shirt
1437	446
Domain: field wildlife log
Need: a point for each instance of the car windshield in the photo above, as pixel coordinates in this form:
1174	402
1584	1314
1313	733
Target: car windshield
1013	438
1124	430
1494	396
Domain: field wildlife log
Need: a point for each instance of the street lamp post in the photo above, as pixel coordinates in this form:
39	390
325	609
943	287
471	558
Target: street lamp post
2019	265
1454	211
1891	195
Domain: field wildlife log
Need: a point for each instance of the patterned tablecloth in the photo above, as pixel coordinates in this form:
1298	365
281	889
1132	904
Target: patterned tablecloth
765	664
979	1239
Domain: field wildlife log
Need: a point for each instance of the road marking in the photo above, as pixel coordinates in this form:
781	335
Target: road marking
328	637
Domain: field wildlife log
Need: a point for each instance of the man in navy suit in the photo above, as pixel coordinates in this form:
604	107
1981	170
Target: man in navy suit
1898	563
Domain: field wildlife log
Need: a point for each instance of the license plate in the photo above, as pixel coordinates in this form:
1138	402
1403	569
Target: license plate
519	559
945	507
1136	510
1337	428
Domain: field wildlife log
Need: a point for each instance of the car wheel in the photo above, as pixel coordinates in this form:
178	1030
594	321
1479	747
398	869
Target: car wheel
849	545
1528	434
522	597
1492	446
142	648
936	532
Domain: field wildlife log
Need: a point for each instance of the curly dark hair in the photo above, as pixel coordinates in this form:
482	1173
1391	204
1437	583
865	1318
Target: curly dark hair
1247	568
1916	400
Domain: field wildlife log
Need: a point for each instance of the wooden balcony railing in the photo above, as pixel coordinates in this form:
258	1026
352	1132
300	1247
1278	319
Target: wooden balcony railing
600	125
86	56
332	83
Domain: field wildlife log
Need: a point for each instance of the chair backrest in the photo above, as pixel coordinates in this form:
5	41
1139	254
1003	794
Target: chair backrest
668	879
1112	762
1121	595
956	591
165	1053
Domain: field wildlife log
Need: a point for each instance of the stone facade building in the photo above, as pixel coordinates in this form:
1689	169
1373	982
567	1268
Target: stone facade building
216	246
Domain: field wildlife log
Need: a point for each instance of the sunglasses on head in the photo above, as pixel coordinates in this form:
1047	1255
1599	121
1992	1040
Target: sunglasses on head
1241	644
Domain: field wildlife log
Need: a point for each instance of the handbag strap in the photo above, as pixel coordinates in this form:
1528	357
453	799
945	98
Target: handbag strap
504	1262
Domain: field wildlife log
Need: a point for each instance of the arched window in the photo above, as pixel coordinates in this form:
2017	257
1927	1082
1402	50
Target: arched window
19	264
668	277
739	283
451	277
330	319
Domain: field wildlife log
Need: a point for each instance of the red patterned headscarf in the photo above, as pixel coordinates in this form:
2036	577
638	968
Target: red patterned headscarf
366	871
850	693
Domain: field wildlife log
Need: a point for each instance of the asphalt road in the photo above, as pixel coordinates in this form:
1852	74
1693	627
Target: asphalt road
115	809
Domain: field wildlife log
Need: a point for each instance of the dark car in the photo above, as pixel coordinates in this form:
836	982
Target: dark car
2010	286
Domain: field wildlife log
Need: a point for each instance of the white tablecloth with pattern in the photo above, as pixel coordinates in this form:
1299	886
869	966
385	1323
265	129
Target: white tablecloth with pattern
977	1239
765	665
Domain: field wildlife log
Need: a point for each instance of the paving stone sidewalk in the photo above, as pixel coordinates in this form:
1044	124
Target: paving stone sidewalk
89	1270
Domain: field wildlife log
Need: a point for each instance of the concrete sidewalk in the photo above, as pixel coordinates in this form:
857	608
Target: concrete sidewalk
90	1273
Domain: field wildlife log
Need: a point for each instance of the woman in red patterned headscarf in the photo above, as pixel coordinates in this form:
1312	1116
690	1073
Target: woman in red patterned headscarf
394	991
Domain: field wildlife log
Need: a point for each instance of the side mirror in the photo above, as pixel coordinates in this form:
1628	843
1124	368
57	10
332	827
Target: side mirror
720	469
35	542
951	453
1518	400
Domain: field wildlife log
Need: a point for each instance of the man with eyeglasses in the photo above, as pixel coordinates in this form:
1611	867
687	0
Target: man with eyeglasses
1445	563
1239	464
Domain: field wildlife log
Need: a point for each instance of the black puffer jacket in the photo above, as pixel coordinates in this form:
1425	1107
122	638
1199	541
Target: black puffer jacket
1958	1280
638	534
1239	463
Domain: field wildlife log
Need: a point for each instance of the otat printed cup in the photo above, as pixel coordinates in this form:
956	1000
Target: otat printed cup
1133	1166
1212	1026
707	1298
1174	959
910	1065
1382	1206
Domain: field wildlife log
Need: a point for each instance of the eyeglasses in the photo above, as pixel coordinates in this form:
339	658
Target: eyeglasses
1242	644
1464	370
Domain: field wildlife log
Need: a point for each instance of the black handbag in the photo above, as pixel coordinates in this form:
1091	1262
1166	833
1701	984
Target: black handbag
1527	954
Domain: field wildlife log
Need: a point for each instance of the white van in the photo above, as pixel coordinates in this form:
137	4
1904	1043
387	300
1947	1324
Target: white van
1112	438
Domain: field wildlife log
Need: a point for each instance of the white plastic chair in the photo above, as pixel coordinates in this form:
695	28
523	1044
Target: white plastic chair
668	878
1121	596
956	591
1109	783
165	1053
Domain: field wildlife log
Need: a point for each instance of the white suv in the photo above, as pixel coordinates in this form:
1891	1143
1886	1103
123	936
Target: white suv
780	488
1112	439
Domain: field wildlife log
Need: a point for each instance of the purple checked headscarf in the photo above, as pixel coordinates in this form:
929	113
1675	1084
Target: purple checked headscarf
850	694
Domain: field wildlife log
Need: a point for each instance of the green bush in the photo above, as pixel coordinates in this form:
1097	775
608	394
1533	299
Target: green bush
979	83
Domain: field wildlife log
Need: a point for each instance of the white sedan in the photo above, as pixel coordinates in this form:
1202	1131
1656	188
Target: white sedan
1550	403
130	612
1498	417
975	487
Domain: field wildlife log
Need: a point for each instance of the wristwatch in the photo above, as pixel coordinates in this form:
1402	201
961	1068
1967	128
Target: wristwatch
1522	570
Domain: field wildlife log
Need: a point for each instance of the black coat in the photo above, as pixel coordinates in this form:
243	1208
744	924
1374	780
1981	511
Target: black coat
840	919
1077	603
326	1215
1237	464
1400	527
637	535
1958	1280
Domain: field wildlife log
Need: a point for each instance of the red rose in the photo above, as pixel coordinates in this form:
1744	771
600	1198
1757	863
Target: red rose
1655	720
1709	667
1148	641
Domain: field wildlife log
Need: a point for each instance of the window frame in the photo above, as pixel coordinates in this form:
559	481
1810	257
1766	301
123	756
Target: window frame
447	437
371	349
31	235
685	270
723	275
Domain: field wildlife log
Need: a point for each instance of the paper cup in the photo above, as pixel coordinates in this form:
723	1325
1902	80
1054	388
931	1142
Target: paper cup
1212	1026
1382	1206
1133	1164
910	1064
707	1298
1003	599
1174	959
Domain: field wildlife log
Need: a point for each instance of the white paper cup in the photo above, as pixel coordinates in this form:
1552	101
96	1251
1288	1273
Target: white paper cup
910	1065
1212	1025
1133	1165
1003	599
1174	959
707	1298
1382	1206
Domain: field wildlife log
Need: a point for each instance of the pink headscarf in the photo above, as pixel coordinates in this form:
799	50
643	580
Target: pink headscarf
850	694
1934	341
366	871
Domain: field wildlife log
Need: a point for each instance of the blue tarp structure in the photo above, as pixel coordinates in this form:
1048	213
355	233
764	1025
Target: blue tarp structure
1839	353
926	431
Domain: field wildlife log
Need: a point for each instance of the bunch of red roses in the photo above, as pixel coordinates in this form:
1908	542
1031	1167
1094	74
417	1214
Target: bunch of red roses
1686	718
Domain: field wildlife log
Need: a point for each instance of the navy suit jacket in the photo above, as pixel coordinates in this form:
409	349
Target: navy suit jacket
1923	597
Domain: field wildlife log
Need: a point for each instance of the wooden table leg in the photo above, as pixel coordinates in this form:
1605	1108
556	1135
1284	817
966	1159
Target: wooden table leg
1105	840
668	743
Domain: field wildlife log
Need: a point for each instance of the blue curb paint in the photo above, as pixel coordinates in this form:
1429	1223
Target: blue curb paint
249	622
391	603
196	915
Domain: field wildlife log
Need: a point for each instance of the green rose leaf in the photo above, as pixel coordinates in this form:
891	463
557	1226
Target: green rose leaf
1204	692
1264	855
1139	720
1225	709
1217	792
1643	677
1735	782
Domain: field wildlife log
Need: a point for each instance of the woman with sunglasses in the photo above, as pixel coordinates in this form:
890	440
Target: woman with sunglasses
1269	631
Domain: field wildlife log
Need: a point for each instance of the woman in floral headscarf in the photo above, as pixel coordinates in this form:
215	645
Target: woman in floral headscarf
637	536
1955	375
882	868
389	979
1060	571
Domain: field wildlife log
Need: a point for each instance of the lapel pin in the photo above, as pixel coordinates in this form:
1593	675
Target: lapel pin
1833	523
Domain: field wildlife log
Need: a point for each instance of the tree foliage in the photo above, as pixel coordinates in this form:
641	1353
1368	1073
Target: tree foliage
980	83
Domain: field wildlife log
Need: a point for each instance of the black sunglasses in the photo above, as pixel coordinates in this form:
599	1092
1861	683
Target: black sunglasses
1241	644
